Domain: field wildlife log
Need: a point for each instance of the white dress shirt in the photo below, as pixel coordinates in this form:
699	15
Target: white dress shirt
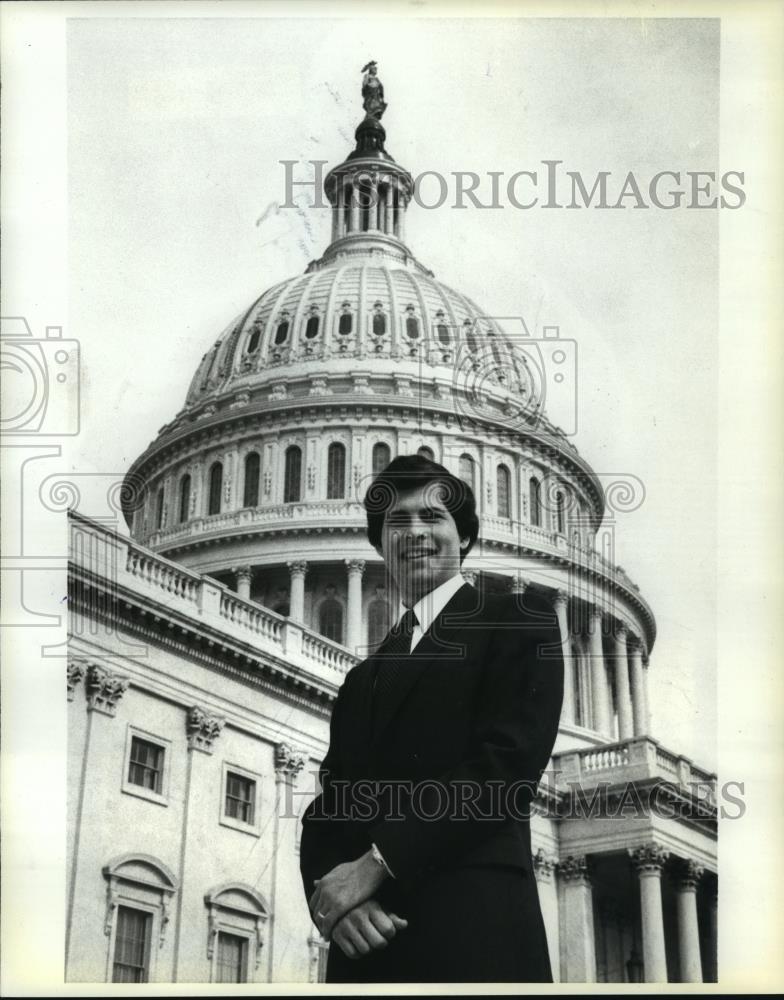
430	606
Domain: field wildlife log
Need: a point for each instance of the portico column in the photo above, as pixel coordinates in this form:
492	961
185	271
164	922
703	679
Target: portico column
711	963
639	701
578	932
625	724
649	861
356	567
244	576
389	220
561	604
297	598
688	928
599	686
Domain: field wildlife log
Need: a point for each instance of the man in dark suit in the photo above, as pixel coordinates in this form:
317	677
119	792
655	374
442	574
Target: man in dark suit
416	855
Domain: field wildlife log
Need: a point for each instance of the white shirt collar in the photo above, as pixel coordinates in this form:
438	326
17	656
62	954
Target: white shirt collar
431	605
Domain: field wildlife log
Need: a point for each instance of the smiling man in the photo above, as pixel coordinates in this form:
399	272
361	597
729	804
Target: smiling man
416	855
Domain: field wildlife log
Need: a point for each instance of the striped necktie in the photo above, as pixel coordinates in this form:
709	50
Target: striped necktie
391	654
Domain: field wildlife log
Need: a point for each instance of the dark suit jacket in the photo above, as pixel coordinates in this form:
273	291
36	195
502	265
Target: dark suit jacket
441	781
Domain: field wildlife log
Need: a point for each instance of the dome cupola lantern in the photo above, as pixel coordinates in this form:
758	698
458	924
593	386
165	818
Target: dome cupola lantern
369	192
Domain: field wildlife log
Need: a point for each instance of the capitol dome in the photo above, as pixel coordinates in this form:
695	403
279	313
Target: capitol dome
325	378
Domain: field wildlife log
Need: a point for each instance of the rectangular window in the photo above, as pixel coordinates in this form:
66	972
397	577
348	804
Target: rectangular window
132	946
240	799
146	765
232	959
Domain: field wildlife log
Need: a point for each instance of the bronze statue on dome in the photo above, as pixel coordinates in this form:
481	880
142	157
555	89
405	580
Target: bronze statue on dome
372	92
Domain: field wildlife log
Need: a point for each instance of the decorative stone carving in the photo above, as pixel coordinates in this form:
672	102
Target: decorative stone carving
202	728
688	874
298	568
544	865
76	671
104	689
648	858
356	566
288	761
470	576
561	600
575	869
518	583
279	391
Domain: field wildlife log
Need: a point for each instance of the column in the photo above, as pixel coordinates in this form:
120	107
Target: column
297	593
373	209
639	701
578	931
544	867
649	861
599	686
284	906
244	576
354	196
400	229
712	945
356	567
561	604
625	724
470	576
688	877
389	213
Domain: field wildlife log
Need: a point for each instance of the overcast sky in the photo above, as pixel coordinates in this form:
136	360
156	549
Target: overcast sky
175	132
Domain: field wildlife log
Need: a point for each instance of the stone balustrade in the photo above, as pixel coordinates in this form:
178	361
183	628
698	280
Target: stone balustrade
100	557
638	759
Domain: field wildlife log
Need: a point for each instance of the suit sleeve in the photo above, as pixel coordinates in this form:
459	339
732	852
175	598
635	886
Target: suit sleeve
321	844
515	725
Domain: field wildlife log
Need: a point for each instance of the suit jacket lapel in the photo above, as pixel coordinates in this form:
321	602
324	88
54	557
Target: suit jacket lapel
436	643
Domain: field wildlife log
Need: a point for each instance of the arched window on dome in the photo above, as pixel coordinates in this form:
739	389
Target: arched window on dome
250	490
379	322
336	471
159	509
412	324
426	452
331	619
560	519
185	497
535	501
346	321
253	341
378	621
282	332
381	457
503	490
312	327
292	476
442	330
468	471
216	488
469	336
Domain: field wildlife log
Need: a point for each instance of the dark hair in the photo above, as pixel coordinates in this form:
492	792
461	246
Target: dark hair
411	472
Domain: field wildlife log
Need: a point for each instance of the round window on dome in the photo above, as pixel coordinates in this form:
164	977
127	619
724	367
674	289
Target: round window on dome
282	332
253	342
345	324
312	328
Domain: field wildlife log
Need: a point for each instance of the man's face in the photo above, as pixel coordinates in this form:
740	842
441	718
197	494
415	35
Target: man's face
420	543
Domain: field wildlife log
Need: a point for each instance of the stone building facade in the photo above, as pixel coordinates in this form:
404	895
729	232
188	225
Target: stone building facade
206	649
